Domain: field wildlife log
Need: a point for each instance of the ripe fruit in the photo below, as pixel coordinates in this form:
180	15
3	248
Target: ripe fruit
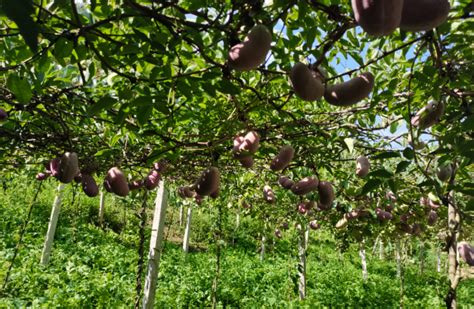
432	217
107	186
68	167
285	182
405	227
116	182
305	186
378	17
323	207
208	182
246	205
428	115
350	92
306	83
444	172
246	162
278	233
244	146
42	176
310	205
283	159
78	178
238	140
160	166
268	195
423	15
391	196
136	184
466	252
389	207
152	180
252	51
302	208
314	225
383	215
3	115
215	194
89	186
362	166
416	229
54	167
186	192
326	194
198	199
251	142
354	214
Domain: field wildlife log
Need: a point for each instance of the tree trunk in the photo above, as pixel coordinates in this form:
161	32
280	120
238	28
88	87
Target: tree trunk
363	261
53	221
101	209
302	264
156	239
187	231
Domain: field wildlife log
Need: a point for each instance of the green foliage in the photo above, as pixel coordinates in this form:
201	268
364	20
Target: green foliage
94	268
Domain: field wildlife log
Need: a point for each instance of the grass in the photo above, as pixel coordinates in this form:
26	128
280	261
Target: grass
92	267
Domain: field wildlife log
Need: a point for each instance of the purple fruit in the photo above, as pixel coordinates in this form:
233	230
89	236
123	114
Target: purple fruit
42	176
3	115
151	181
89	186
136	184
54	167
314	225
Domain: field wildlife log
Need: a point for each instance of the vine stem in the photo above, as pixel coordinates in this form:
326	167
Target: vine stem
22	233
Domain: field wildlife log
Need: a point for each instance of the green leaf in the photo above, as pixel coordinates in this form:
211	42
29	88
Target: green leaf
409	153
104	152
381	173
143	114
468	124
63	48
20	87
371	185
226	86
402	166
350	144
470	205
386	155
20	12
103	104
